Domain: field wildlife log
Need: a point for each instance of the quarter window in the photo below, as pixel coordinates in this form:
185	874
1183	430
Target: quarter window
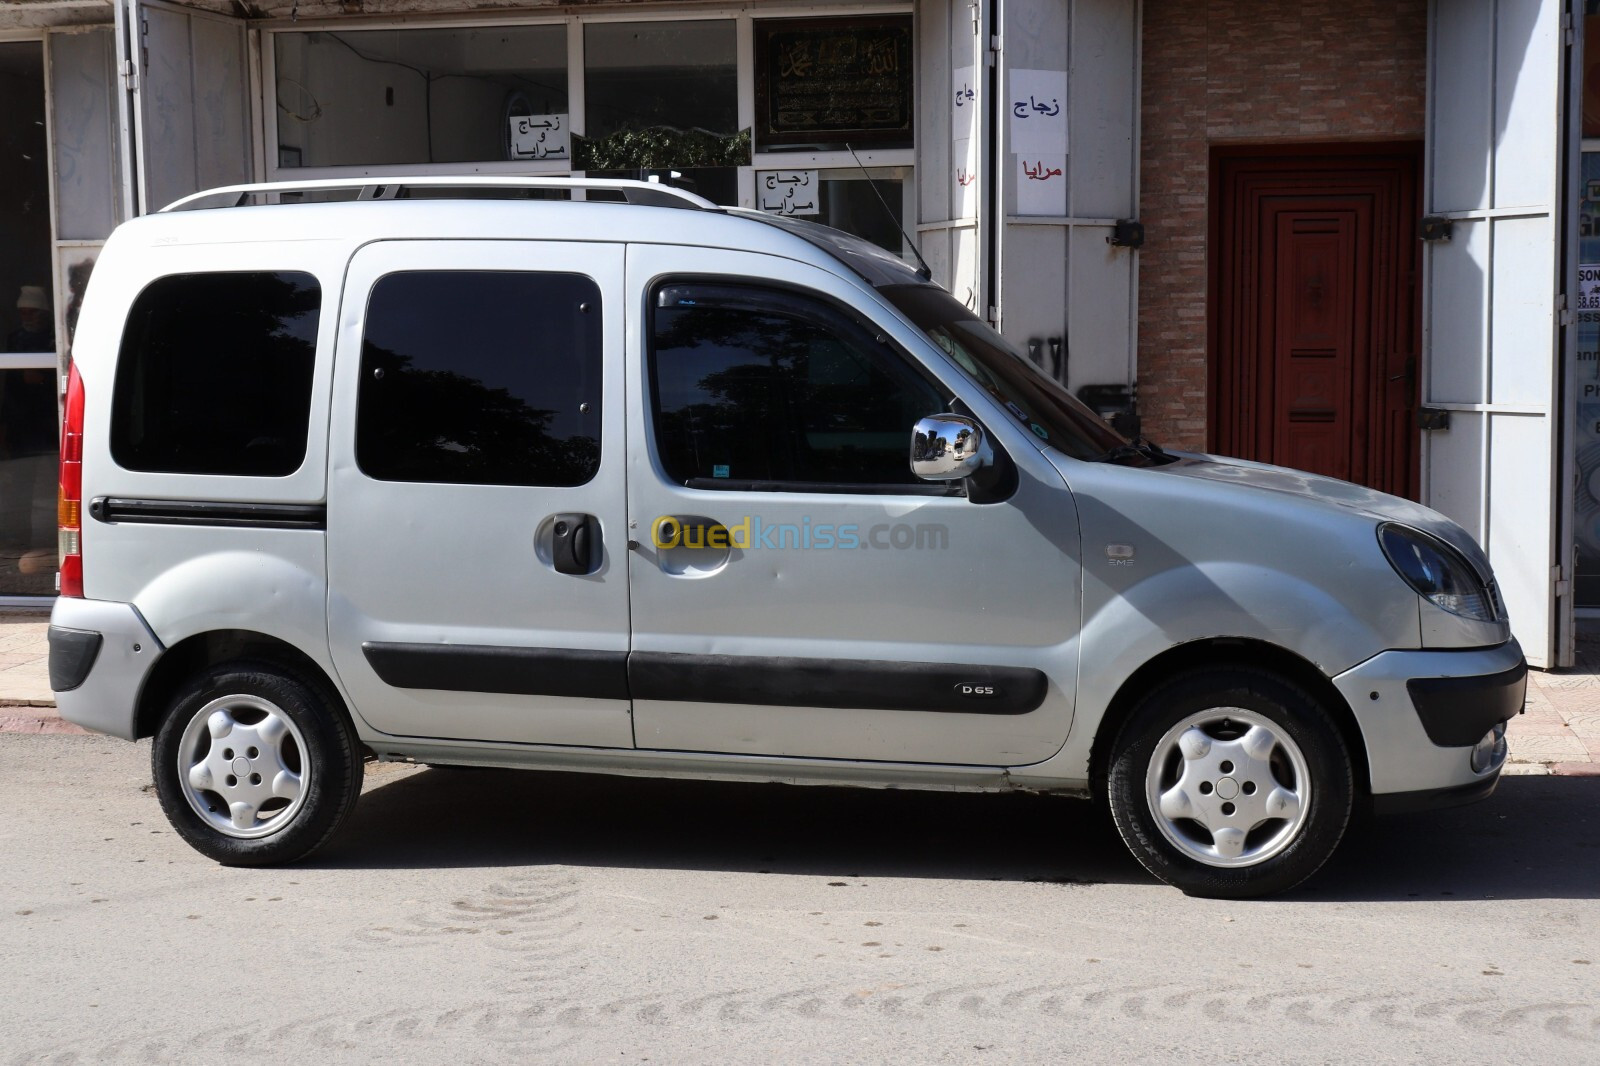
481	378
767	388
214	374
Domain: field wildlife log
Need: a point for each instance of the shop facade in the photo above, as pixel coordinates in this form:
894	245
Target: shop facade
1294	232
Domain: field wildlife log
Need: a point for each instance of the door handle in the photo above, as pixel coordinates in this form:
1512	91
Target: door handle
691	533
573	537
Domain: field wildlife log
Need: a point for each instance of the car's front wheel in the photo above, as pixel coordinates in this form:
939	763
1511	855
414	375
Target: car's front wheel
1230	783
254	765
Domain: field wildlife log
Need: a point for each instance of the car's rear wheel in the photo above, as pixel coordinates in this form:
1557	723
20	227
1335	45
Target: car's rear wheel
254	765
1230	783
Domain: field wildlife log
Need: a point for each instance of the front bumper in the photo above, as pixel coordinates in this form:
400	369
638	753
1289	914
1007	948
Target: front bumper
1405	701
105	675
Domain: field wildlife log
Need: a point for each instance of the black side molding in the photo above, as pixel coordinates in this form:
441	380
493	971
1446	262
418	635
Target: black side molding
210	513
72	656
1457	711
752	679
883	686
484	668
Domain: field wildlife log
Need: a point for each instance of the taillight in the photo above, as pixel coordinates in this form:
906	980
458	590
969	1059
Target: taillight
69	500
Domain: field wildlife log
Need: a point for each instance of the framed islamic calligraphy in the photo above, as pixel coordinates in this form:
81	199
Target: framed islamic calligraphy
824	83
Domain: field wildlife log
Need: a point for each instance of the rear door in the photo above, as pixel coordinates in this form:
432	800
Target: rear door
476	499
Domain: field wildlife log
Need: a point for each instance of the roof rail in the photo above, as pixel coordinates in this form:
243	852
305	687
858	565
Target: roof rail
634	192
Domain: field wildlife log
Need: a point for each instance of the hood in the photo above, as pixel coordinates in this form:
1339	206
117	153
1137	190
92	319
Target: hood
1326	492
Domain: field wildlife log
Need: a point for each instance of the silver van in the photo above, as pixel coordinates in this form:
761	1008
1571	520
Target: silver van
596	476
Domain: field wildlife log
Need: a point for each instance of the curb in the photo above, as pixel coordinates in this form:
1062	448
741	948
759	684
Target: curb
28	723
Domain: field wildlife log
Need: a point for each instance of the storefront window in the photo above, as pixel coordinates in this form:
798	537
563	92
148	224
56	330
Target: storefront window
639	76
26	320
28	449
28	413
1586	501
386	97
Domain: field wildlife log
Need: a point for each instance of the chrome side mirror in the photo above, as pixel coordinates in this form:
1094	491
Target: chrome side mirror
948	448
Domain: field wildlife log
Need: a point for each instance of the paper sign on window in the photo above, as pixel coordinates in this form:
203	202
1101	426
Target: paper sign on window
540	137
964	104
1037	112
1041	185
788	192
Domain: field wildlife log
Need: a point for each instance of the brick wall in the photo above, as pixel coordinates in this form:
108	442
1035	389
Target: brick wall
1242	72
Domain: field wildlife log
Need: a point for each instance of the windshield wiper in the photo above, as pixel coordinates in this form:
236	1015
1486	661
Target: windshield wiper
1140	447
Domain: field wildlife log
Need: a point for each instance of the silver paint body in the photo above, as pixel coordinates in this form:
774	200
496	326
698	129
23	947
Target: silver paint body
1087	573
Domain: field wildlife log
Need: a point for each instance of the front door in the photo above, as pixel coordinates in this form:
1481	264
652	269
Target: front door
476	507
1314	326
795	590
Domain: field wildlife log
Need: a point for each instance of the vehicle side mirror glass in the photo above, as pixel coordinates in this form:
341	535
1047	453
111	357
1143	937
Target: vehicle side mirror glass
948	448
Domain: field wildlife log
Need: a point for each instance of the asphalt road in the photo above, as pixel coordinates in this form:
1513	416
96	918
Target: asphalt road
493	916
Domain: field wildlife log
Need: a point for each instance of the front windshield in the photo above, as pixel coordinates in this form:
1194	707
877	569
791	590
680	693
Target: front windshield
1053	414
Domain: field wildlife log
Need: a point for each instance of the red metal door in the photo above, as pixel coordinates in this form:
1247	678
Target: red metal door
1313	316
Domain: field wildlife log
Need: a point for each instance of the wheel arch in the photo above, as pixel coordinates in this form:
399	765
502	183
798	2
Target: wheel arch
1225	653
193	654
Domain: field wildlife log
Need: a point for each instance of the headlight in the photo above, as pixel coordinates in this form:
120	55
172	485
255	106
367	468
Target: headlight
1438	572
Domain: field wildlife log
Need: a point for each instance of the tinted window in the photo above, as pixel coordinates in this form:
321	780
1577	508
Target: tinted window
481	377
769	387
214	376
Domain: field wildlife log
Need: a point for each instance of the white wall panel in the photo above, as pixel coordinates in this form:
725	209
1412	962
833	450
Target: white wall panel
1523	311
221	103
1105	108
1457	479
1521	524
1460	88
1457	342
166	113
84	132
1526	118
1099	310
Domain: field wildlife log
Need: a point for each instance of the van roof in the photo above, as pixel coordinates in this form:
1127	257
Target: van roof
505	208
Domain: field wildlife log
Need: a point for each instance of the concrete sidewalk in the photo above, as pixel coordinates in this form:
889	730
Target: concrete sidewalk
1559	733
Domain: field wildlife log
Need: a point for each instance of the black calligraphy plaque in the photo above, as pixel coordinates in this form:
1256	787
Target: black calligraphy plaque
824	83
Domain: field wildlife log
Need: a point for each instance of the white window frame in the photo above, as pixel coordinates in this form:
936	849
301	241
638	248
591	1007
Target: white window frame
896	163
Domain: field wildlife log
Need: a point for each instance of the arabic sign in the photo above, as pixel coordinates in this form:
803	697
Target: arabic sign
540	137
788	192
834	81
1037	110
1041	185
964	105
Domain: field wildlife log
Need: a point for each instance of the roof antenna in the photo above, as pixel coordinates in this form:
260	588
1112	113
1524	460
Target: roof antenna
924	271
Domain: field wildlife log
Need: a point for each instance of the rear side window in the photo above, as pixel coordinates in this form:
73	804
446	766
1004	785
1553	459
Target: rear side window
481	378
214	375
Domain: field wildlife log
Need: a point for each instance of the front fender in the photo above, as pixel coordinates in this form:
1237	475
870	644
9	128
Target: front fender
1205	601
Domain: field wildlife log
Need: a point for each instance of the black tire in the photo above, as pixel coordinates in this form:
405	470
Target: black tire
313	750
1286	850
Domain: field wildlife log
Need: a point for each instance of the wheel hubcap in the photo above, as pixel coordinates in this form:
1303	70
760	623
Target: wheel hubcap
1228	787
243	768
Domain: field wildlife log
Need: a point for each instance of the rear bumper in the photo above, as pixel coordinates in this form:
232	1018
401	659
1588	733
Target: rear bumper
1420	714
100	654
